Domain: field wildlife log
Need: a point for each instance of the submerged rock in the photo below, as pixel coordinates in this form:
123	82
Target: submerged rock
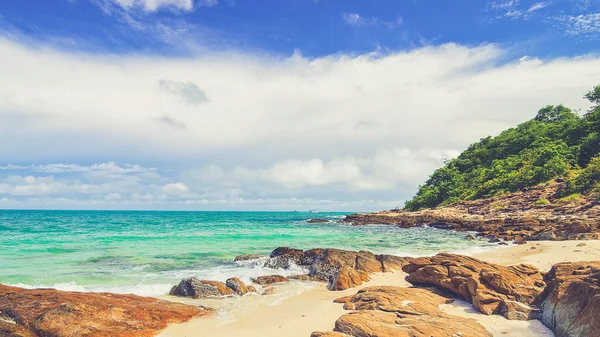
401	312
571	301
491	288
247	257
318	221
269	291
195	288
49	312
270	279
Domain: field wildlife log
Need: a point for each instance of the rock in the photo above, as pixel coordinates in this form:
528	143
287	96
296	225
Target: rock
571	301
270	279
195	288
503	243
402	312
340	268
391	263
470	237
484	284
49	312
327	334
519	240
581	245
344	299
517	311
318	221
301	277
251	289
269	291
237	285
246	257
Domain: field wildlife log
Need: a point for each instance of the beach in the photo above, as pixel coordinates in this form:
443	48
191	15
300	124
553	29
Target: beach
313	309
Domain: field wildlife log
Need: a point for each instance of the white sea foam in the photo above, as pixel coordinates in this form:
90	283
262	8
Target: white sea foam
138	289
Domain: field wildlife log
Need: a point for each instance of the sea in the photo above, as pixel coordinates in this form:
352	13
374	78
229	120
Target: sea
147	252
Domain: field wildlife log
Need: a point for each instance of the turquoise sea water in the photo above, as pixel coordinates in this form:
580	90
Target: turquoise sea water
147	252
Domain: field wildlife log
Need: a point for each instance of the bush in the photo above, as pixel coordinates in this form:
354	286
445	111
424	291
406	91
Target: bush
541	202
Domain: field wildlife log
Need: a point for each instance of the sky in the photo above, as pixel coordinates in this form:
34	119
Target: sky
339	105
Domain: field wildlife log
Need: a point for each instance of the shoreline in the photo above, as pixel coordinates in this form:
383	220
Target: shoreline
298	315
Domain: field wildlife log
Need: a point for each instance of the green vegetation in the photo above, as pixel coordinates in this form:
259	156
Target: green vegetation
556	143
570	198
541	202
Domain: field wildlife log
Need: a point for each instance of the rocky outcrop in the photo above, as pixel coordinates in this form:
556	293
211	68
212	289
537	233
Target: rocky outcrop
49	312
571	301
398	312
318	220
512	217
342	269
270	279
195	288
493	289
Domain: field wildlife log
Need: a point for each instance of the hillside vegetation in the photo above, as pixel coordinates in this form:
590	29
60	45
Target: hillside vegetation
557	143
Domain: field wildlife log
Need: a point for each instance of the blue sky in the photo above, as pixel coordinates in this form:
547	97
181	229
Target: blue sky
316	28
270	105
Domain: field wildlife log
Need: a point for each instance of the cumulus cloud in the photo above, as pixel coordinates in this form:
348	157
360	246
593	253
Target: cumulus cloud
351	131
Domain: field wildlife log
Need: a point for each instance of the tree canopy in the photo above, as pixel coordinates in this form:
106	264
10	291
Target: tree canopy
556	143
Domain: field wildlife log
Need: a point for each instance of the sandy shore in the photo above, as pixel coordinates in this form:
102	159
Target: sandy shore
300	308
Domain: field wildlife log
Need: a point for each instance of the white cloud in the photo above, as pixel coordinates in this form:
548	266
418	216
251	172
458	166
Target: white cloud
537	6
345	130
579	25
153	5
356	19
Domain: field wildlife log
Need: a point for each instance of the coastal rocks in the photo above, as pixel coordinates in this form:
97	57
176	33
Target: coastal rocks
237	285
318	221
491	288
342	269
49	312
504	217
270	279
195	288
401	312
571	301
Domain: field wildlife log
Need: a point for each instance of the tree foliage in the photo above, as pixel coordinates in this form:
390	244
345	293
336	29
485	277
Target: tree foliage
557	142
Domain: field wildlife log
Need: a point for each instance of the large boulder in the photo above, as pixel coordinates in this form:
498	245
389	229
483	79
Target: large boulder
491	288
571	301
49	312
401	312
195	288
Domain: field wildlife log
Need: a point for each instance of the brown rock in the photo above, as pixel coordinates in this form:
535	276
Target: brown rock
237	285
581	245
49	312
519	240
301	277
571	301
390	262
484	284
327	334
195	288
270	279
251	289
348	278
269	291
318	221
402	312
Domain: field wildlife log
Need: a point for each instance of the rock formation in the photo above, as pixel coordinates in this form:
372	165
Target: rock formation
195	288
493	289
506	216
49	312
270	279
399	312
571	301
